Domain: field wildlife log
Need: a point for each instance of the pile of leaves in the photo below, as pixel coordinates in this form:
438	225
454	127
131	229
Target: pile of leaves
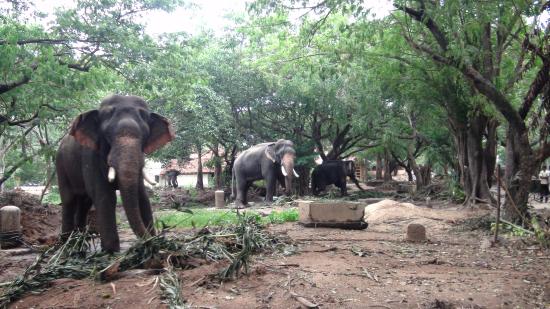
79	258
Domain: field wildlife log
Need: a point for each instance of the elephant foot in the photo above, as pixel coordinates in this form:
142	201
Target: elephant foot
241	205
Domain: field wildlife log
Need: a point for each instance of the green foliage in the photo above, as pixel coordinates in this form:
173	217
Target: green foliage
205	217
52	197
286	215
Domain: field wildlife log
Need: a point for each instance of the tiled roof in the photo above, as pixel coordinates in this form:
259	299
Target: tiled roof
190	167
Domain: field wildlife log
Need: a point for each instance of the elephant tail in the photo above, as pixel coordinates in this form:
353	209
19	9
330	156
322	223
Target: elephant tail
233	185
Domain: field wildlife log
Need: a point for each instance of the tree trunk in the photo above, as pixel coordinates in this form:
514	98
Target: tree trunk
379	167
218	173
521	164
200	185
478	162
474	160
229	158
387	168
303	180
409	174
490	152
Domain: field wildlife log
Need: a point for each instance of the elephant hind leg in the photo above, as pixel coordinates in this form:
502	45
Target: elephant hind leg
70	205
242	190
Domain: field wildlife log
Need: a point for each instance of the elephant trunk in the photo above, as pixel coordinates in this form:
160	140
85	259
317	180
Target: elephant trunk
127	159
287	168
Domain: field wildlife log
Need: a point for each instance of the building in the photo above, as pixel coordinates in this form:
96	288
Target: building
188	171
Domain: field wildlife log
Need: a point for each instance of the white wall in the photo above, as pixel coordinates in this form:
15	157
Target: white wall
186	181
191	180
153	168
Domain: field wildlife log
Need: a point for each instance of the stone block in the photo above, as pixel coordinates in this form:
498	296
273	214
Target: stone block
10	226
416	233
219	199
339	214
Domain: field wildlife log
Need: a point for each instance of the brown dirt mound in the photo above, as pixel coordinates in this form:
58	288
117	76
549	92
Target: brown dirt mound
40	222
181	198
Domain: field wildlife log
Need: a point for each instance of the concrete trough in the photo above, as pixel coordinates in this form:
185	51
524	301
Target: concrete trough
336	214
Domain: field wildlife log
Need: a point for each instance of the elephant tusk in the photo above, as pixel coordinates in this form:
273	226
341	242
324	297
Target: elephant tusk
284	171
111	174
295	174
149	180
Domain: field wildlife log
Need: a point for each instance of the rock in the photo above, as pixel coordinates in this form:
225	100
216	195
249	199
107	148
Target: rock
370	200
416	233
339	214
486	243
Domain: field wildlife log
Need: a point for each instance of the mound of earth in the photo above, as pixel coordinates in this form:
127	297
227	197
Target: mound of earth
390	211
178	198
40	222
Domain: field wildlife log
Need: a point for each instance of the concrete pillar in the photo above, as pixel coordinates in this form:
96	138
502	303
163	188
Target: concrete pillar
218	196
10	226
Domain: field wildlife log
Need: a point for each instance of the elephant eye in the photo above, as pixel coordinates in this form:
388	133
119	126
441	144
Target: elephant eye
106	112
144	115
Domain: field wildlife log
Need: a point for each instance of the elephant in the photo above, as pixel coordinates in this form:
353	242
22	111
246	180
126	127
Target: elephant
271	162
172	178
333	172
104	152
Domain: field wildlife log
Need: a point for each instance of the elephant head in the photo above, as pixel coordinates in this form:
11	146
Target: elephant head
282	153
350	168
121	131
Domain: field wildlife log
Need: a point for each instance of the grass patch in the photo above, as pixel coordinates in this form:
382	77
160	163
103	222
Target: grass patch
52	198
204	217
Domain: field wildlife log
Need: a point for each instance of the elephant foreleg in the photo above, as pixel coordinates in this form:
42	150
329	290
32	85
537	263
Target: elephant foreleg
105	203
270	184
343	186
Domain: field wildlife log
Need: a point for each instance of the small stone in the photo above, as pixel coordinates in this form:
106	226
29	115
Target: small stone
486	243
416	232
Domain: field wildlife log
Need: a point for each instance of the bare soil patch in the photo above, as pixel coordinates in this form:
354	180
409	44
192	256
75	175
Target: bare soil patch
372	268
41	223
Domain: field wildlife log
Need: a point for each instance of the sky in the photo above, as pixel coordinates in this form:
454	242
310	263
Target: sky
205	14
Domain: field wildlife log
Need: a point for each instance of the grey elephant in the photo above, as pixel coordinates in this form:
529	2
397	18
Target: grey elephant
271	162
104	152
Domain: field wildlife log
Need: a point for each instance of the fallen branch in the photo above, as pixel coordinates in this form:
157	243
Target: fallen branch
303	301
517	227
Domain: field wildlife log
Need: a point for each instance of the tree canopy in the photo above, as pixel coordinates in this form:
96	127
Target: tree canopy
451	87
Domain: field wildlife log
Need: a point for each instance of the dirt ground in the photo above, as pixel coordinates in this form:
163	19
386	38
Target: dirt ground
332	268
40	222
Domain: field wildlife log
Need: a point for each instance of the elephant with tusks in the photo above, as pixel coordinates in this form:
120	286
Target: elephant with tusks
271	162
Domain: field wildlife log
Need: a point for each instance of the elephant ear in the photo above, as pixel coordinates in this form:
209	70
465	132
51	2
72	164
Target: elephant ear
161	132
85	129
270	152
